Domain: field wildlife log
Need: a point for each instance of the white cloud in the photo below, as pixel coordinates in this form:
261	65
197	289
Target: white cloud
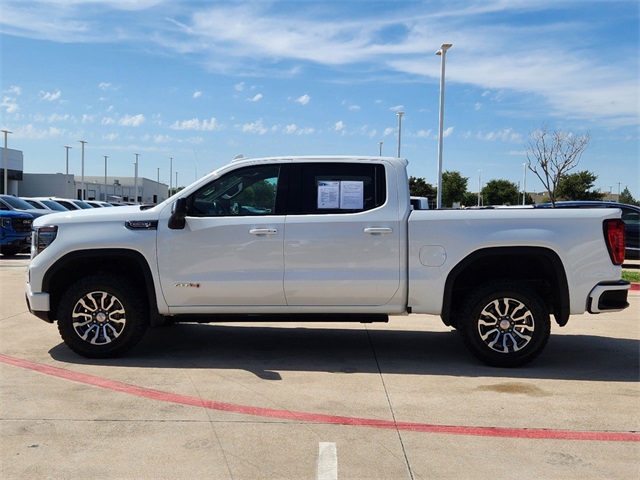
354	108
339	126
289	129
104	86
397	108
104	121
423	133
51	96
10	104
110	137
239	86
304	99
132	120
255	98
15	90
206	125
447	132
197	94
255	127
388	131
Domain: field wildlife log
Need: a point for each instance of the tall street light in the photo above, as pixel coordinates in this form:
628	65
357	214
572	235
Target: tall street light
105	177
136	177
443	53
6	162
524	184
380	145
82	182
66	190
170	174
399	130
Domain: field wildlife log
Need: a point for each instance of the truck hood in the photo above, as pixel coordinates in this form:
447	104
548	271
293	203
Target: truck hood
99	215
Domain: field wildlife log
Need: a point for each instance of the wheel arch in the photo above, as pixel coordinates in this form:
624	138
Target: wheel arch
78	264
539	267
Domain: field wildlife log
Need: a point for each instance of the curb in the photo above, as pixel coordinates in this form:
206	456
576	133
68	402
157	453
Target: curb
635	287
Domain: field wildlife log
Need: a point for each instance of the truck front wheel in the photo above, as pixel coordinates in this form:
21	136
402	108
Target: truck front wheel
102	316
505	324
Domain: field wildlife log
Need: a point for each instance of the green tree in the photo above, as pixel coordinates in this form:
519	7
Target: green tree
578	186
418	187
454	188
626	197
500	192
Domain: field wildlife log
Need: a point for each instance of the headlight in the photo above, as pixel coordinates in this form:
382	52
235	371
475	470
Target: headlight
41	238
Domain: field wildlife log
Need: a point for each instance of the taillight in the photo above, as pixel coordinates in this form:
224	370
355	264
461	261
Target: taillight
615	238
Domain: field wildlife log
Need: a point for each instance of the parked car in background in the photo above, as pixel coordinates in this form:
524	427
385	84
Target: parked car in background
72	203
98	203
9	202
15	232
630	216
45	203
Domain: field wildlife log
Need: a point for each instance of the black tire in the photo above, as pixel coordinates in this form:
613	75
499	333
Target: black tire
505	324
102	316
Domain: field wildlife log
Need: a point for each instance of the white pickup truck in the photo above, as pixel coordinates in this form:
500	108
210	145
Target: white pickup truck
322	238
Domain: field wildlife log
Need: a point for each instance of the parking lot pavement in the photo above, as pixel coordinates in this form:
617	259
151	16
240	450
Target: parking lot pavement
402	400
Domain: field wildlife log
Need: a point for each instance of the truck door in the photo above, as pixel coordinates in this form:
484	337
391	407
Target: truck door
231	249
343	234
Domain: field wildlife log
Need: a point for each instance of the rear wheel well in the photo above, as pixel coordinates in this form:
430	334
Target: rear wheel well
76	265
539	268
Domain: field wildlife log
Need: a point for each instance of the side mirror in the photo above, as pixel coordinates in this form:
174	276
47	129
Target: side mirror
177	219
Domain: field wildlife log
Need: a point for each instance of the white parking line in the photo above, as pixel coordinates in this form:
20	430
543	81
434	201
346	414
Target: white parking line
327	461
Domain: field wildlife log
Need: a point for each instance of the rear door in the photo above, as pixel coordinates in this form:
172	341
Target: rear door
343	233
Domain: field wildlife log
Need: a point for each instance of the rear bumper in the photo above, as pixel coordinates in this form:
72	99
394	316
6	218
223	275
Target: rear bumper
609	297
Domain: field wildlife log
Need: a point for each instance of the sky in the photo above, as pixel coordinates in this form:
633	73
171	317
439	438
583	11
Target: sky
203	81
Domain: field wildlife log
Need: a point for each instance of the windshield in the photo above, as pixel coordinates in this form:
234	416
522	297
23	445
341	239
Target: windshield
18	203
54	205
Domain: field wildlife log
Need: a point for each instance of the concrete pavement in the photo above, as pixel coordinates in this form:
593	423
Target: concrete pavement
402	400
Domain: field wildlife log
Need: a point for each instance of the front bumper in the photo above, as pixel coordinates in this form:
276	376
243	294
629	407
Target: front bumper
608	297
38	303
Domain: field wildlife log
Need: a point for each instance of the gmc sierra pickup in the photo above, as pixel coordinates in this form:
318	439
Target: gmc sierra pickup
322	238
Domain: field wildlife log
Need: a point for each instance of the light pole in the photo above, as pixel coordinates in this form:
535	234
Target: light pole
524	184
380	145
66	190
479	186
176	181
443	53
6	163
170	175
82	179
399	130
136	177
158	185
105	177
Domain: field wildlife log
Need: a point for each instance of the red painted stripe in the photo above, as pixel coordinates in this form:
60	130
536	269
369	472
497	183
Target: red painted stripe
635	287
528	433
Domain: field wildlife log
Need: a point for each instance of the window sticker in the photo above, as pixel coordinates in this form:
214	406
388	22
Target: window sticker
343	195
351	195
328	194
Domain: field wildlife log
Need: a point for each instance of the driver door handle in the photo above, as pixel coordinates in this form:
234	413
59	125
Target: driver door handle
263	231
378	230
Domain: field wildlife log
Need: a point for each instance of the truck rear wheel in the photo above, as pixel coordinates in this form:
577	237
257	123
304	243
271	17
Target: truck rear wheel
505	324
102	316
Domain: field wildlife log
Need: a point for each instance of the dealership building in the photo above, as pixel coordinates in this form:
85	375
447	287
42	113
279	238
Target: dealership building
109	189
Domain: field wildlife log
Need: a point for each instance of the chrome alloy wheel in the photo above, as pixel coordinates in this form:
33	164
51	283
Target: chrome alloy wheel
506	325
99	318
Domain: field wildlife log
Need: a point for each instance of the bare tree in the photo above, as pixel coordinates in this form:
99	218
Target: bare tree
552	154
